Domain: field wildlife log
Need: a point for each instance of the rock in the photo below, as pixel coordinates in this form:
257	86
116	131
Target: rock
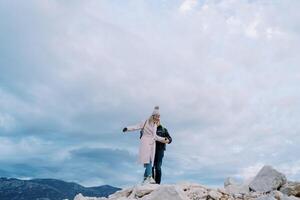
232	187
277	194
121	193
229	181
285	197
266	197
167	192
197	193
236	189
214	194
267	179
81	197
222	190
141	190
252	195
263	187
291	188
193	191
238	196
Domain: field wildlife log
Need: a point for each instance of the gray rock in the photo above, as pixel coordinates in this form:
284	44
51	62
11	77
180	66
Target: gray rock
266	197
81	197
252	195
167	192
222	190
232	187
238	196
267	179
192	191
141	190
214	194
197	193
229	181
277	194
285	197
291	188
121	193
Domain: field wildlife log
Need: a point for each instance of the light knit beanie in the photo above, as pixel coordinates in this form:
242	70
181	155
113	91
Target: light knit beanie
156	111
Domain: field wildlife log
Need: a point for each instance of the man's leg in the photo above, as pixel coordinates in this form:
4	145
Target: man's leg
153	172
157	166
155	163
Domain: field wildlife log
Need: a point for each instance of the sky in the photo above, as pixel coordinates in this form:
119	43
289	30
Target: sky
73	74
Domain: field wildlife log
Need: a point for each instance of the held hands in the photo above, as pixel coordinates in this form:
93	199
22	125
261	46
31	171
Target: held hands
124	130
166	141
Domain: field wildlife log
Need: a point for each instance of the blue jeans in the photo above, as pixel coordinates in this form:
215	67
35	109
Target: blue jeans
156	170
148	169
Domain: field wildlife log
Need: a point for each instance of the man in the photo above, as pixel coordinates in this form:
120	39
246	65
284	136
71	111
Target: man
159	152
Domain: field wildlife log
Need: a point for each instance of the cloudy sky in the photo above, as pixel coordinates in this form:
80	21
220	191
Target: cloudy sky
225	73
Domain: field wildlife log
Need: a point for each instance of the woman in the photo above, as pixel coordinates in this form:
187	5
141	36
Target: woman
148	142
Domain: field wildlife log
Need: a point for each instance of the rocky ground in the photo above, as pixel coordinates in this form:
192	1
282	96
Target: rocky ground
268	184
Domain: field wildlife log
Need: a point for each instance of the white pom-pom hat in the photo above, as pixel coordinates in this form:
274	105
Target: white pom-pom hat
156	111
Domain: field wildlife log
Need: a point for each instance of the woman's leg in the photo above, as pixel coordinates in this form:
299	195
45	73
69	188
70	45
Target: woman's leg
148	170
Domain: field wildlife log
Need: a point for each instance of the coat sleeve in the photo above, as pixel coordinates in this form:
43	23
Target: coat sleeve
158	138
168	136
138	126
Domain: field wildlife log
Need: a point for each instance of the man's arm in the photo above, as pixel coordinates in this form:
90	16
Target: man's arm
168	135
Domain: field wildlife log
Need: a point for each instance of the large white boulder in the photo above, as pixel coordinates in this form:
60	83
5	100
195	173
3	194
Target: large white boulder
213	194
232	187
194	191
81	197
141	190
267	179
266	197
167	192
121	193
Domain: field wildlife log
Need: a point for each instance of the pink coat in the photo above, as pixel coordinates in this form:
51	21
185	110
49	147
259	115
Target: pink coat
147	142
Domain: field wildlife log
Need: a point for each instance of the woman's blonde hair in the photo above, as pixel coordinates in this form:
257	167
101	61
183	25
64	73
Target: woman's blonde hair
151	119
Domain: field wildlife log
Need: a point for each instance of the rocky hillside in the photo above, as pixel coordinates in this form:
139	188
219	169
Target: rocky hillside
268	184
48	189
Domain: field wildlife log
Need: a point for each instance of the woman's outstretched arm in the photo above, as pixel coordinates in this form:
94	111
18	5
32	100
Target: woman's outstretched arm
138	126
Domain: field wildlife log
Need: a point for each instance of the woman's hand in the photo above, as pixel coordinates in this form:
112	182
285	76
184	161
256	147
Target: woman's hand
167	141
163	140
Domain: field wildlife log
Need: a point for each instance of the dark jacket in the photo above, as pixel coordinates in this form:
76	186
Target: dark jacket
162	132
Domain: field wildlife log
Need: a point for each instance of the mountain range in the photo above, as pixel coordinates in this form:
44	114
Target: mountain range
48	189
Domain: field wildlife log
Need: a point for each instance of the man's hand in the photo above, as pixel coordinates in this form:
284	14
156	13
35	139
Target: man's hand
124	130
167	141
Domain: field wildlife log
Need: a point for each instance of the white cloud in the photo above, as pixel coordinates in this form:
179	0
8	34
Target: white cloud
249	172
7	122
251	30
291	170
187	5
22	149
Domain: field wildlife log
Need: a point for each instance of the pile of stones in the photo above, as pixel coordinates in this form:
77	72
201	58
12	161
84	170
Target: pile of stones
268	184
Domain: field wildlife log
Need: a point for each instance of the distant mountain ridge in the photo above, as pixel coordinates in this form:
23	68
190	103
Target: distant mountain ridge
48	189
